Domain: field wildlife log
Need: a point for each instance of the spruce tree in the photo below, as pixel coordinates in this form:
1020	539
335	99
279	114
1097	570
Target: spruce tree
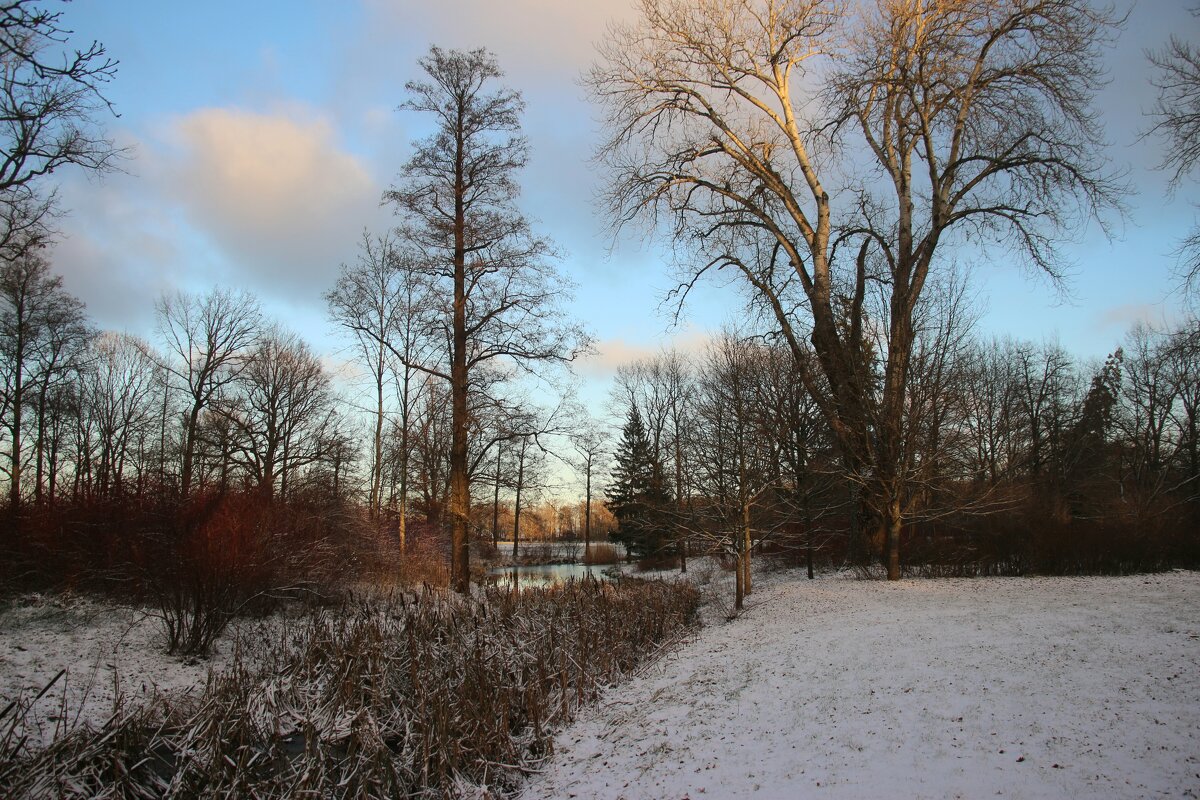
638	496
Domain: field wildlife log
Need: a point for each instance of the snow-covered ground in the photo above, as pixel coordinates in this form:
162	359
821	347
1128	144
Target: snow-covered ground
109	652
1016	688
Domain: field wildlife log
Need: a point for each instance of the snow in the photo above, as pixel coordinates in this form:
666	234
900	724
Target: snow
109	652
836	688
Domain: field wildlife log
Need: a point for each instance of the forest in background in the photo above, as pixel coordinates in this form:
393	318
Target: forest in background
879	427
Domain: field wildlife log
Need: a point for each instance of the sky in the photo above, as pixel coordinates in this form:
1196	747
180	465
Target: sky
261	136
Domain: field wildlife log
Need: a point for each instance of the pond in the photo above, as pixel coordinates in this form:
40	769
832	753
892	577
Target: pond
539	575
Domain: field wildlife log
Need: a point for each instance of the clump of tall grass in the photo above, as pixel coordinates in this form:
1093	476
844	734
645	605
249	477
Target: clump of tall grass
601	554
420	695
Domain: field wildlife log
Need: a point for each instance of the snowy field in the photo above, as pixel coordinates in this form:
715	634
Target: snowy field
110	654
1016	688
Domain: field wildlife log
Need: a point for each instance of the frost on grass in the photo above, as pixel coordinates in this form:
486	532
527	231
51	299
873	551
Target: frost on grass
423	694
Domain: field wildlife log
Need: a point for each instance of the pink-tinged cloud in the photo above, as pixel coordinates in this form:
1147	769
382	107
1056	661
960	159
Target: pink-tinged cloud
1130	314
610	355
118	249
565	32
274	192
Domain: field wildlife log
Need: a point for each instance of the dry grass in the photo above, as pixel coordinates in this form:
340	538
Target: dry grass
601	554
420	695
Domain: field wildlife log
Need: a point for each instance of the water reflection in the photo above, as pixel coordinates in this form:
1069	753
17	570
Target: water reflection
539	575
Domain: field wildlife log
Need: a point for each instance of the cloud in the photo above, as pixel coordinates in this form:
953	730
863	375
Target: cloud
273	190
610	355
1127	315
119	248
565	32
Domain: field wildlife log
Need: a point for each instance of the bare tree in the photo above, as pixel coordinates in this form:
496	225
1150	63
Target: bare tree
530	464
590	444
736	456
207	339
120	392
1176	115
494	292
374	300
50	95
281	409
730	122
39	323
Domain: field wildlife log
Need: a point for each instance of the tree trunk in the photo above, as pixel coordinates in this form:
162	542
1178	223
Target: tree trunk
377	453
517	505
496	502
739	592
17	398
40	445
189	451
405	399
681	541
892	522
809	550
747	543
587	516
460	490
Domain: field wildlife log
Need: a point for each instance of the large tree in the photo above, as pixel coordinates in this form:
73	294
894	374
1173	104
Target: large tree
50	97
827	154
493	294
1176	116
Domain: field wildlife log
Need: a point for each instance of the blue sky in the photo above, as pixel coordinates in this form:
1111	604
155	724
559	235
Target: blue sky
262	135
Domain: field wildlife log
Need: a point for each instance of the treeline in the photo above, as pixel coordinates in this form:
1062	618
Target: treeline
104	432
1018	456
229	428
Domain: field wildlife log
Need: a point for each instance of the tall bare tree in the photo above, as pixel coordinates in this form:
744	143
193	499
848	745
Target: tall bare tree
494	292
207	339
821	151
39	322
1176	115
375	301
50	96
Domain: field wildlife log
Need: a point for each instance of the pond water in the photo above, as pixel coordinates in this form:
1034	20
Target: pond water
548	574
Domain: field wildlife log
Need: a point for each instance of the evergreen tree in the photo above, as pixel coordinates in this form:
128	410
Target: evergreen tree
638	496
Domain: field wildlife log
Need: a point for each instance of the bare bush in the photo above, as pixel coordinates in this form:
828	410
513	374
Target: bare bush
226	556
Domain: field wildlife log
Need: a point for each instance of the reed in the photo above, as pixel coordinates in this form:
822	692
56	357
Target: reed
422	694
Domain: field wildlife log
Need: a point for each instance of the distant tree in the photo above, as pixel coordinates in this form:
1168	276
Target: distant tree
492	291
208	339
40	322
591	450
737	455
530	466
375	301
120	393
637	497
281	411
